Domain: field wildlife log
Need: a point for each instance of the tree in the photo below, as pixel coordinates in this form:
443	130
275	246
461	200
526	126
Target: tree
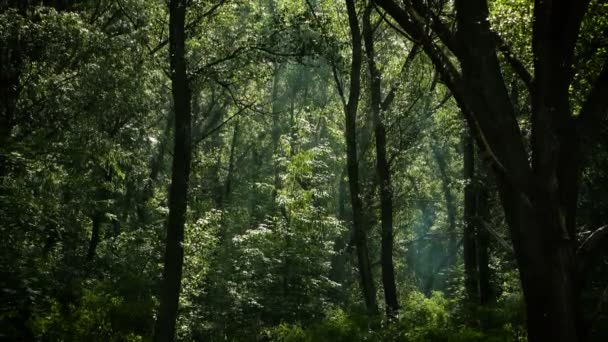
539	198
350	134
178	195
471	272
378	107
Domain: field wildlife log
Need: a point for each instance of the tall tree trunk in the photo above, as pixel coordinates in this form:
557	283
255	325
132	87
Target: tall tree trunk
383	172
178	194
450	202
471	276
352	165
483	242
476	236
155	167
11	65
342	242
539	200
231	162
276	130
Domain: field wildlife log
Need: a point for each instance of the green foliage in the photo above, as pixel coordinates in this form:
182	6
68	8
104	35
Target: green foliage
421	319
85	141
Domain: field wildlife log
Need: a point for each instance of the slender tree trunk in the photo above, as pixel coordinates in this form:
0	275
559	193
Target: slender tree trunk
341	244
11	63
471	276
352	165
155	167
96	220
483	245
178	194
231	162
383	172
450	202
218	185
276	130
476	236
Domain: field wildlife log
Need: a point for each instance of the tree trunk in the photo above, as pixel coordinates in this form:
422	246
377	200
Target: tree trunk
178	194
342	242
539	200
352	165
155	167
482	241
471	275
231	162
96	219
546	267
450	202
383	172
276	131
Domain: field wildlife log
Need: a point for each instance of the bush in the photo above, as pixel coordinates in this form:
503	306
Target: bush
422	319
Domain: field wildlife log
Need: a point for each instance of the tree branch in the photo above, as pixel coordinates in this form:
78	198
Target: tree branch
233	54
592	242
404	69
519	68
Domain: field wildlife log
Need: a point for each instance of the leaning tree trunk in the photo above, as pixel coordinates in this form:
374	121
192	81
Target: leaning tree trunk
182	155
383	172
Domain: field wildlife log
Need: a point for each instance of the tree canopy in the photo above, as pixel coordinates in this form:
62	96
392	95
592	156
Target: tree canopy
303	170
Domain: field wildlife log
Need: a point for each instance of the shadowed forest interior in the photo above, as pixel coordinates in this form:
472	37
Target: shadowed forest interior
304	170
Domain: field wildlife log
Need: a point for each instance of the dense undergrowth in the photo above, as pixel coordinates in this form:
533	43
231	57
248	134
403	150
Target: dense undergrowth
434	318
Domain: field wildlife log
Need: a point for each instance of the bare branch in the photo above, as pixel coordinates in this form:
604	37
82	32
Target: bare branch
234	54
219	126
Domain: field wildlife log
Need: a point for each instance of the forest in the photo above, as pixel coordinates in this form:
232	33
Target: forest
304	170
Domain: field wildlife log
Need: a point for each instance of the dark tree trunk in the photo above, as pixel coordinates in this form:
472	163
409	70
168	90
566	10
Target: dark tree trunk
352	165
483	244
215	115
231	161
11	64
539	200
476	236
276	130
178	194
341	244
545	267
450	202
383	172
155	167
96	221
471	275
